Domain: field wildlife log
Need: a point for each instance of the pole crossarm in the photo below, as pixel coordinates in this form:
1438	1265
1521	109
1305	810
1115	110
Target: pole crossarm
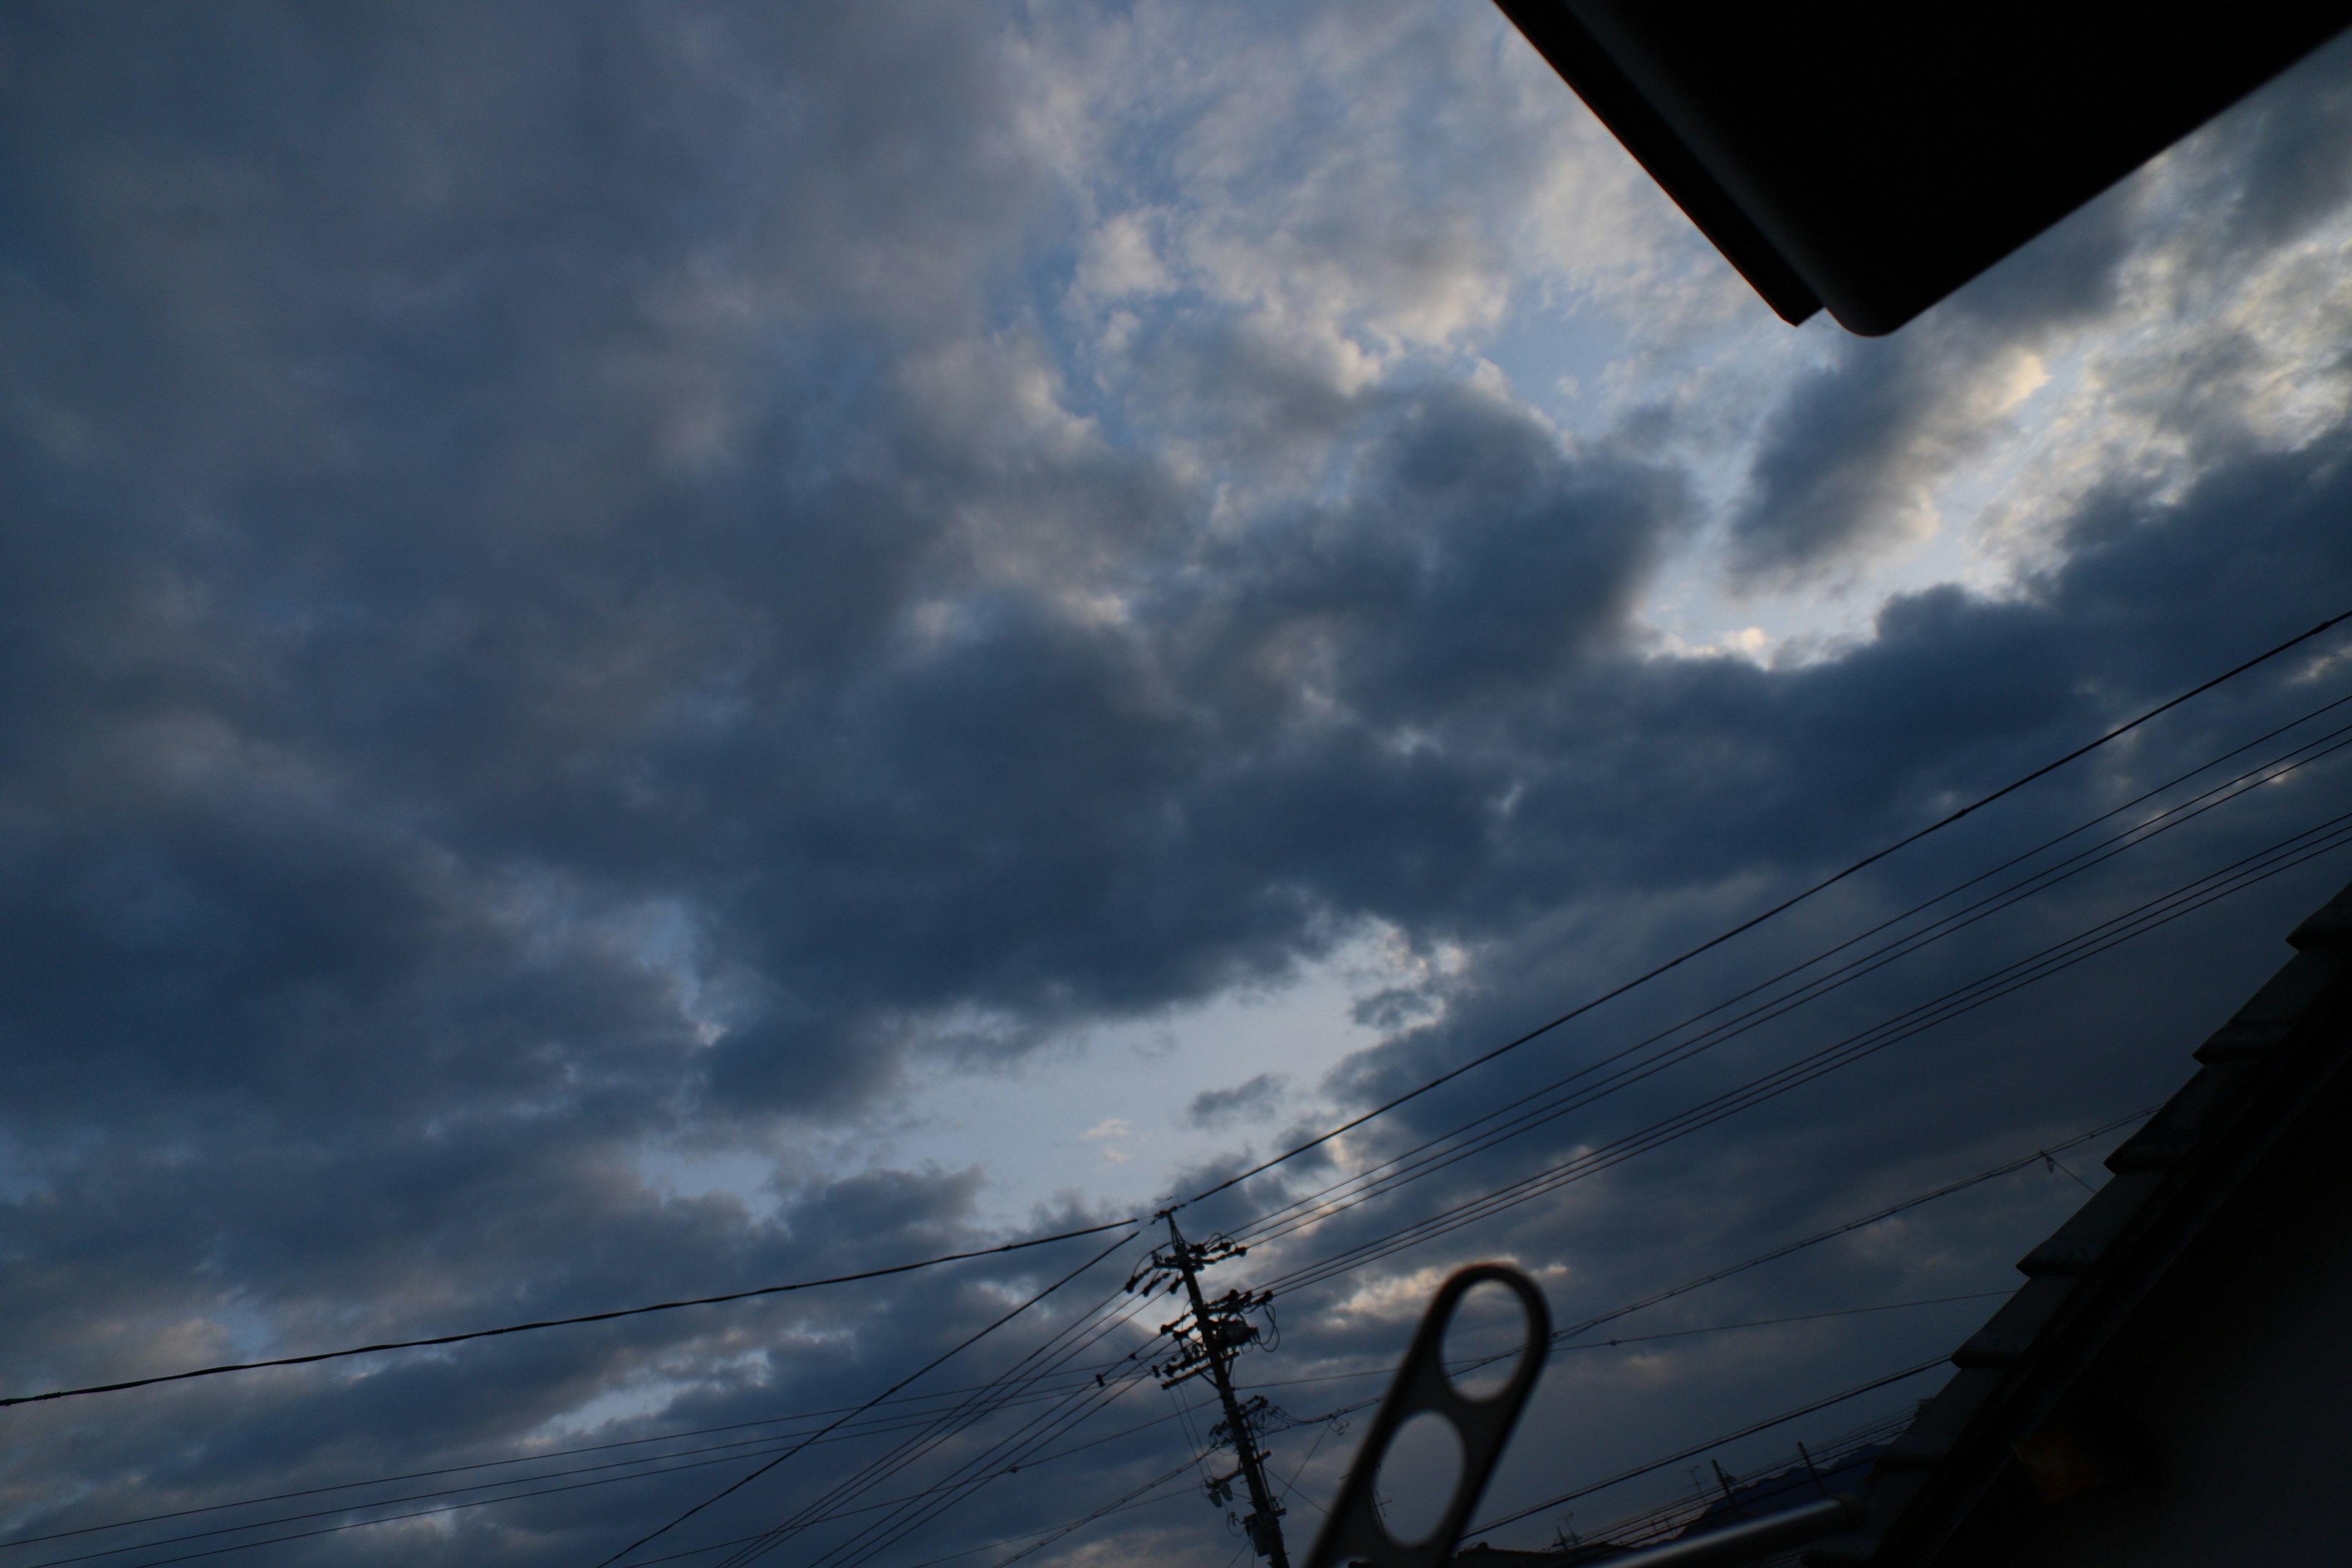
1207	1339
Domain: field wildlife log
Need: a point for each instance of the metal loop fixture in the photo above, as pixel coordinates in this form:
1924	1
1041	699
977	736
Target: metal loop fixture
1354	1530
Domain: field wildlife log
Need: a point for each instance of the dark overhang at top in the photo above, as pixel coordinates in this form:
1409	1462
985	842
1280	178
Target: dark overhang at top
1871	158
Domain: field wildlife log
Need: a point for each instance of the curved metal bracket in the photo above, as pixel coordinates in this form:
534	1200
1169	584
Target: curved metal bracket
1354	1531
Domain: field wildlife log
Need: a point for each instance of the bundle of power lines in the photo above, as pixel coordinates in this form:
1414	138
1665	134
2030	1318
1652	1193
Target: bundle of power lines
1030	1413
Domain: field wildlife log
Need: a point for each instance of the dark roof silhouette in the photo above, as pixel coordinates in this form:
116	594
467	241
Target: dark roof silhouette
1874	157
2173	1363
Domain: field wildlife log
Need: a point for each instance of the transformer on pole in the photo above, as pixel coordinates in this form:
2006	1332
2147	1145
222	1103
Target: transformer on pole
1207	1338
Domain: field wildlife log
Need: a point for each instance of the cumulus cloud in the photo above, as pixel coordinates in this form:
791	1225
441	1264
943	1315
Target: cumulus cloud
594	597
1252	1101
1855	460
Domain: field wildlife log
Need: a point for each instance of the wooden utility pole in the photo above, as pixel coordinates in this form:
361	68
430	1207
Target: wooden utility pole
1207	1338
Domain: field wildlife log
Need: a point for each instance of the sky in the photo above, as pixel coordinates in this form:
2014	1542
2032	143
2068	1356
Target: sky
648	649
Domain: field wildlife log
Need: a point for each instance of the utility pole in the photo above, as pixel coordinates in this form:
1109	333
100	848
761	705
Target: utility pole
1207	1338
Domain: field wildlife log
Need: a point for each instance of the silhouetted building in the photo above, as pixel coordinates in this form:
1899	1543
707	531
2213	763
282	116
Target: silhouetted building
2170	1386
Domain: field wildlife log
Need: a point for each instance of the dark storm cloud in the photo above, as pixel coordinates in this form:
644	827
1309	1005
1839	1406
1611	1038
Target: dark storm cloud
1254	1101
1847	460
1479	564
1737	784
554	630
372	528
1764	779
479	715
1844	456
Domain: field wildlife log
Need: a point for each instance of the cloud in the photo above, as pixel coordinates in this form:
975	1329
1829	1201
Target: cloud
1861	453
593	594
1254	1101
1853	461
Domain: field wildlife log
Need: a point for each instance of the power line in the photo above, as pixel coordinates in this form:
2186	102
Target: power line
897	1421
761	1445
1764	1426
968	1414
1006	1540
1262	1167
1458	1368
238	1546
1561	1342
2096	939
1764	1013
1844	1227
1001	1457
1560	1339
1114	1226
1776	1323
1653	1525
486	1502
2282	856
1553	1348
1786	904
1905	1205
961	1345
561	1322
1326	1201
1380	1370
2021	1163
975	1472
1055	1532
976	1405
954	1422
2026	1160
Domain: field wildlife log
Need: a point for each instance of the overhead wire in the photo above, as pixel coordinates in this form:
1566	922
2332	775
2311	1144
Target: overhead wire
987	1545
958	1348
1300	1149
316	1356
238	1546
1667	1520
972	1411
882	1533
1381	1370
1844	1227
1334	1197
658	1471
895	1422
2029	1158
1783	907
676	1456
1782	1419
1849	871
995	1394
1561	1338
1004	1458
975	1470
422	1513
832	1503
2282	856
979	1407
1458	1368
1122	1503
